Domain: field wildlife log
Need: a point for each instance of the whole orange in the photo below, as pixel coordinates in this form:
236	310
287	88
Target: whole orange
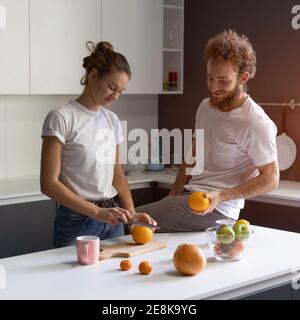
125	265
145	267
141	235
189	259
198	201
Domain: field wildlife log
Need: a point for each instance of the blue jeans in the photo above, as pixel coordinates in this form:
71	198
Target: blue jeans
70	224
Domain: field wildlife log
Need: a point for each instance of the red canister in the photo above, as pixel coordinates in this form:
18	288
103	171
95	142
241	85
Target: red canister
173	81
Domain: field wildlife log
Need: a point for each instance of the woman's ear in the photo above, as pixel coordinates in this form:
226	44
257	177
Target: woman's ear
93	75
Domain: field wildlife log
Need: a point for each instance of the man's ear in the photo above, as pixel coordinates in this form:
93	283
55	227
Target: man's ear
245	78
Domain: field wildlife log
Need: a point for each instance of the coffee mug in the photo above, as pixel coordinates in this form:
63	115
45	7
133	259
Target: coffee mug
88	249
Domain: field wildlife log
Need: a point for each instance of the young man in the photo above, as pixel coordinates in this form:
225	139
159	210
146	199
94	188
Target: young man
240	156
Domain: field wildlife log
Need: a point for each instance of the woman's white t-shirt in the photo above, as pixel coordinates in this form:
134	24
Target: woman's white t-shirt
235	144
89	141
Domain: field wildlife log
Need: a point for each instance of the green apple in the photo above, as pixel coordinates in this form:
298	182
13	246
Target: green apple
225	234
242	230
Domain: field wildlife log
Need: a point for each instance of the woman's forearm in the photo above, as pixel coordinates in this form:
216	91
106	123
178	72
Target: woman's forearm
121	184
63	195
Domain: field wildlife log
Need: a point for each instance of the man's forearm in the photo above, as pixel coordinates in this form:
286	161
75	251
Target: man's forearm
180	181
252	188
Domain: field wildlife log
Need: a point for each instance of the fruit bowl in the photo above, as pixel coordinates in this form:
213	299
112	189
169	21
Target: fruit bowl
227	244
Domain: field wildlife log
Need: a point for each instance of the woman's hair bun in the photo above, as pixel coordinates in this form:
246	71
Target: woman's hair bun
104	59
104	46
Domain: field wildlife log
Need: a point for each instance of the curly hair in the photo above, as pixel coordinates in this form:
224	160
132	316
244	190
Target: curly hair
228	45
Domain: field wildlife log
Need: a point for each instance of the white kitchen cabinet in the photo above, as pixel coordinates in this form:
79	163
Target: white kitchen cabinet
59	30
135	29
14	48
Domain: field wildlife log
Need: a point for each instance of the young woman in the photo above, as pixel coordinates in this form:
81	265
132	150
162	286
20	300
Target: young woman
80	166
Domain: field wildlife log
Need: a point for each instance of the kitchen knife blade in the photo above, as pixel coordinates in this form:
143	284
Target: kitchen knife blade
142	224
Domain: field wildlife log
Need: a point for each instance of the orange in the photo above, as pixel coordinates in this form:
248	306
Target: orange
141	235
189	259
125	265
145	267
198	201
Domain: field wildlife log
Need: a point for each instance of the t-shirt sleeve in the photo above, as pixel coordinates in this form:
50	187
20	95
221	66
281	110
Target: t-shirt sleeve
55	125
261	143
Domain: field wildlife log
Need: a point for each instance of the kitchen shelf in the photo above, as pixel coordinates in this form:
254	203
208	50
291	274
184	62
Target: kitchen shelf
171	92
173	3
172	50
173	42
171	7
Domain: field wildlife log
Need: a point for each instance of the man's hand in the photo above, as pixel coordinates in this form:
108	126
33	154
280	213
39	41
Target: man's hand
214	199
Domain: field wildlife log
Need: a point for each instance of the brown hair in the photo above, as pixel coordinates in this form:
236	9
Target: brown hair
228	45
105	60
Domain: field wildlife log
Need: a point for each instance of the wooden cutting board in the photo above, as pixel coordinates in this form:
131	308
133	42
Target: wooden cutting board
129	249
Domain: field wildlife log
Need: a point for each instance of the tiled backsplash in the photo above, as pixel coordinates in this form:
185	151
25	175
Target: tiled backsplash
21	119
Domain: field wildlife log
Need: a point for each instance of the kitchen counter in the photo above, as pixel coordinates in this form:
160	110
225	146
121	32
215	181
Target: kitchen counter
54	274
28	189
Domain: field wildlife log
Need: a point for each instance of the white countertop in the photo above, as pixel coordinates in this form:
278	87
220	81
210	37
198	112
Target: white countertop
272	260
28	189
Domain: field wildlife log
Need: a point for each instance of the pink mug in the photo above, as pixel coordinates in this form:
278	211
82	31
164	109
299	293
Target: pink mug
88	249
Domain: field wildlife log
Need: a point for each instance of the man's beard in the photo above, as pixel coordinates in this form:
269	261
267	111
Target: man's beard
229	100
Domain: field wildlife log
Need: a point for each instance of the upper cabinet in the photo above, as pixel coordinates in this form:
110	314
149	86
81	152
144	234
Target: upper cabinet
43	43
59	30
135	29
173	46
14	40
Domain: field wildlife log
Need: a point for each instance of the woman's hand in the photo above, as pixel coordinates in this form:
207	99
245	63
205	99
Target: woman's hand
114	216
143	217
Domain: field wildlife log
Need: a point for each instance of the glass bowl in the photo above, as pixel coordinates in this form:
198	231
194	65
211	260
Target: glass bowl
232	251
227	222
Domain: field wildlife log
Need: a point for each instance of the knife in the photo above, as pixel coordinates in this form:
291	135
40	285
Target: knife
142	224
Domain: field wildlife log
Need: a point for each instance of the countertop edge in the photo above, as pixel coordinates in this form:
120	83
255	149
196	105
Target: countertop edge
283	195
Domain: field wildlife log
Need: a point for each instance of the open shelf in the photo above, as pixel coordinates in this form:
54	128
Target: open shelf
172	50
173	43
173	3
173	62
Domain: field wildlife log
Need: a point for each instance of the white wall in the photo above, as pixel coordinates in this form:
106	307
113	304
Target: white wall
21	119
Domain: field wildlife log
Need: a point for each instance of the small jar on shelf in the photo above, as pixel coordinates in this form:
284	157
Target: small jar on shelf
166	86
173	81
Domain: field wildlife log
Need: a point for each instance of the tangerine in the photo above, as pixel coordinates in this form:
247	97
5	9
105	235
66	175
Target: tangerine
145	267
141	235
125	265
198	201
